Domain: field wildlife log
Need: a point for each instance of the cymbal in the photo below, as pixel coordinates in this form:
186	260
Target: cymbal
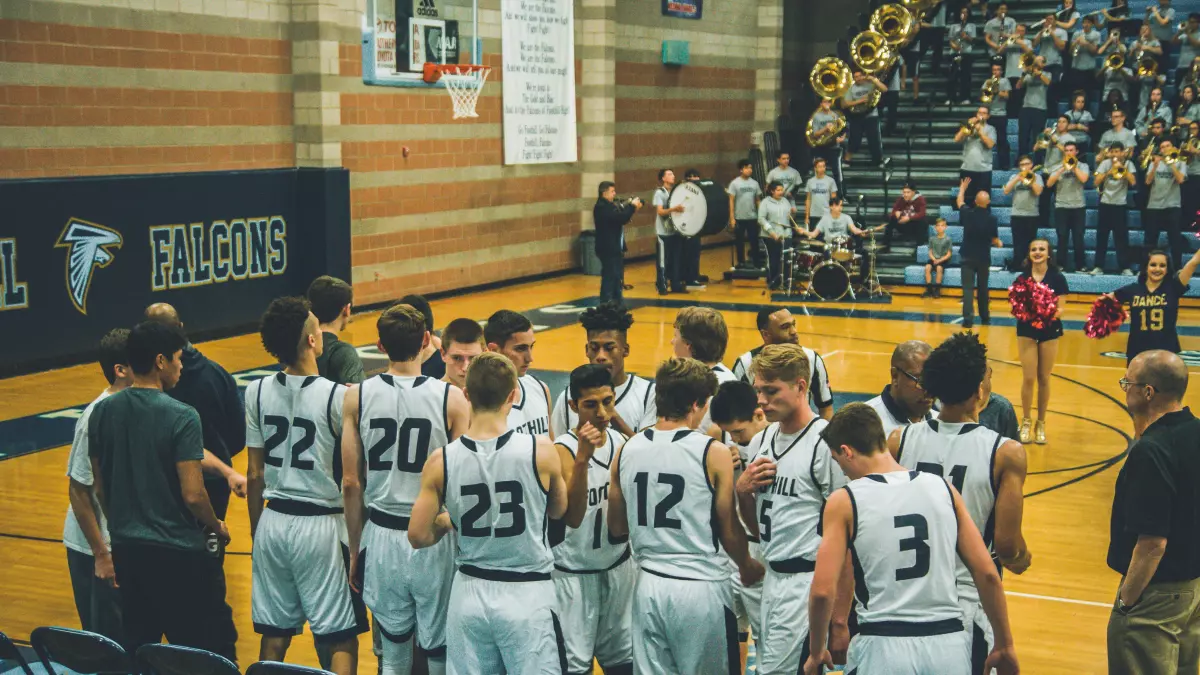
811	243
873	247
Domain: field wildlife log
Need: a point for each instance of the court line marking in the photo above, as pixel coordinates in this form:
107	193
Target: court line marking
1051	598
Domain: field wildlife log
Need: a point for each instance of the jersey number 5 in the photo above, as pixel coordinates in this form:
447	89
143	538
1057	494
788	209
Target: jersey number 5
410	457
515	506
282	430
662	512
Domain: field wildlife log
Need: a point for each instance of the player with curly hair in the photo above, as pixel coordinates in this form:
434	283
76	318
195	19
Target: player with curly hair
607	328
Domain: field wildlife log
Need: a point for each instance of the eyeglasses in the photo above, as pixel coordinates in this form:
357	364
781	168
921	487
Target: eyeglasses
1126	385
915	378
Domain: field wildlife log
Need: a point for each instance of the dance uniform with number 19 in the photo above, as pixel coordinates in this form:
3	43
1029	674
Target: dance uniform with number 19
1152	315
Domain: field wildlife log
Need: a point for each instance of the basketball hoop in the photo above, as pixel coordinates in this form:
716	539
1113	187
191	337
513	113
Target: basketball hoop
464	82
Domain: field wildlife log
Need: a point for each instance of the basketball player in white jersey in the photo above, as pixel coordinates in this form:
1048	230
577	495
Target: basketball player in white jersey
390	424
987	469
701	334
499	488
671	491
511	335
903	401
293	424
780	496
607	345
462	341
778	327
737	419
904	531
593	572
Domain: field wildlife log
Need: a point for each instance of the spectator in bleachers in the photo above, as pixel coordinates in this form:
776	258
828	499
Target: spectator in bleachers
1038	346
1019	46
998	112
979	235
962	38
1050	42
1026	187
978	142
940	251
1188	39
907	216
1161	19
1153	111
1188	109
933	36
1032	120
1069	206
864	124
1146	45
1164	205
1114	206
1079	121
1084	48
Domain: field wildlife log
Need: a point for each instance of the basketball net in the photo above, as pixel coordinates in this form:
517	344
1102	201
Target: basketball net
463	82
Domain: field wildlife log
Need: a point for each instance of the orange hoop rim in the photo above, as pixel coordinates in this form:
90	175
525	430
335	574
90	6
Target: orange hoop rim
434	71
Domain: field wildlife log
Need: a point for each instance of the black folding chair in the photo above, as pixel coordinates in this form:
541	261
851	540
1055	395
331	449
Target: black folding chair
178	660
279	668
9	652
81	651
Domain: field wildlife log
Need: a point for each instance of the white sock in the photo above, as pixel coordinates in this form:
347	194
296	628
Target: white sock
397	657
437	666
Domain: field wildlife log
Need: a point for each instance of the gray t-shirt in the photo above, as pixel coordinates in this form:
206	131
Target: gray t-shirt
1148	114
1112	191
966	45
662	224
820	190
773	215
999	105
939	246
1186	51
995	27
1086	60
821	118
859	91
1047	48
744	191
1083	117
1012	58
1164	191
1069	194
834	227
789	178
1054	155
137	437
339	361
1119	80
1025	202
977	156
1159	30
1194	170
1035	92
1124	137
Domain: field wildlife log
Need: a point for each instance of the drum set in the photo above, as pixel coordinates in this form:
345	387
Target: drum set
826	270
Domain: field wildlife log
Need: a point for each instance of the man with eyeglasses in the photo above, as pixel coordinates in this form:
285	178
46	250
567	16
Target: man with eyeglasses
1154	626
903	401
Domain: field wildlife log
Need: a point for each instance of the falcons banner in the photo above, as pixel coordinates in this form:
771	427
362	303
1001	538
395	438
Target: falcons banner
80	256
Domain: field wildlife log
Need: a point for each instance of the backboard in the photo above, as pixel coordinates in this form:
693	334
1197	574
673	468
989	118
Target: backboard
401	36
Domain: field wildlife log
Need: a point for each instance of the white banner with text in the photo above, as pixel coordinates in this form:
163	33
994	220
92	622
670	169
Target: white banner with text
539	81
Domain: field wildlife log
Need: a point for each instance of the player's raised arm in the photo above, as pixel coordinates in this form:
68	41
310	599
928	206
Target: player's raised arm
425	528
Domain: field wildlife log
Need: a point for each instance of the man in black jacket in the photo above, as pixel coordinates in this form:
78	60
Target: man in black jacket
610	218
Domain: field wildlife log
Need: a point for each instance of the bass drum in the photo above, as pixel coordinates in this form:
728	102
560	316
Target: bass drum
715	208
830	281
695	209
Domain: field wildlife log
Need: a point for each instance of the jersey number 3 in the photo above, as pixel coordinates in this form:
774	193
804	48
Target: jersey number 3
918	544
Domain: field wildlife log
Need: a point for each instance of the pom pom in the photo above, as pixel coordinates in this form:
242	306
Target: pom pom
1032	302
1105	318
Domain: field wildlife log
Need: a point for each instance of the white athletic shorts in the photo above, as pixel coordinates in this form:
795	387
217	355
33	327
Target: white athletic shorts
870	654
678	626
747	601
978	631
503	626
299	574
407	589
595	610
783	644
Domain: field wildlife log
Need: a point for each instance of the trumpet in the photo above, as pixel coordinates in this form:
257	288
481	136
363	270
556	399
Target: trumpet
1046	140
1028	177
1172	156
1070	163
1118	172
1029	64
969	128
991	89
821	137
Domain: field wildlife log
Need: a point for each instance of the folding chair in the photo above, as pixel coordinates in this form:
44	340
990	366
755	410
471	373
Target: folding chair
179	660
278	668
81	651
9	652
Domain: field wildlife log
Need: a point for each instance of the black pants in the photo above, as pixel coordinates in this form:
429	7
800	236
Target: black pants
933	40
868	126
747	233
1155	221
667	262
612	277
1003	153
98	604
690	261
832	154
1190	200
1114	218
218	494
1030	123
981	181
1016	97
974	280
1053	91
1046	204
1024	229
774	256
914	228
889	101
1069	222
176	593
959	85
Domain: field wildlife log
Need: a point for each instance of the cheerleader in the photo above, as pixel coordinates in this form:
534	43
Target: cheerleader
1038	347
1154	303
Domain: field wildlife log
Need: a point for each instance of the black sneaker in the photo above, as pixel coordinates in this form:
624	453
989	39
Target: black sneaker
702	278
662	291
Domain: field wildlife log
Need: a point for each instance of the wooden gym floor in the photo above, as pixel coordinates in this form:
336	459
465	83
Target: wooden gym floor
1059	607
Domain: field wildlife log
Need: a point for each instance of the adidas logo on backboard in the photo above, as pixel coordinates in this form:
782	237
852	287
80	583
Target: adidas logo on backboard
425	8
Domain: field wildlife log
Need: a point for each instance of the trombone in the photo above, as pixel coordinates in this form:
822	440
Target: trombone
1028	177
1118	171
1171	156
1070	163
1114	62
1047	140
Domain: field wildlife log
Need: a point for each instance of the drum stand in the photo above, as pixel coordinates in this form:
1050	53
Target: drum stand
871	286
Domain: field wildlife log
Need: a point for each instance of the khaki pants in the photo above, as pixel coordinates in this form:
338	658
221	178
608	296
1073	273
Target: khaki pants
1160	635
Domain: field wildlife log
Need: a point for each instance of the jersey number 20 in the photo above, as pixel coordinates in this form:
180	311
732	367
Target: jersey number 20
410	453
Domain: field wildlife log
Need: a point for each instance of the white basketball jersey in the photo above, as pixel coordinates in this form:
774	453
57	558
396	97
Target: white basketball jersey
400	420
965	455
497	504
904	548
297	421
634	402
818	375
723	375
669	504
789	510
590	547
531	413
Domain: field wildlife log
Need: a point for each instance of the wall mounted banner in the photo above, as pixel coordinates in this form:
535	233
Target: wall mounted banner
683	9
539	81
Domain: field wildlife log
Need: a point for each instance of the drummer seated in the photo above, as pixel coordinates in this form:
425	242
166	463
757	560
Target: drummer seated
836	225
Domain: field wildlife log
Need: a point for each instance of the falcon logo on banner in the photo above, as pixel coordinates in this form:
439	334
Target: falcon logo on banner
89	245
